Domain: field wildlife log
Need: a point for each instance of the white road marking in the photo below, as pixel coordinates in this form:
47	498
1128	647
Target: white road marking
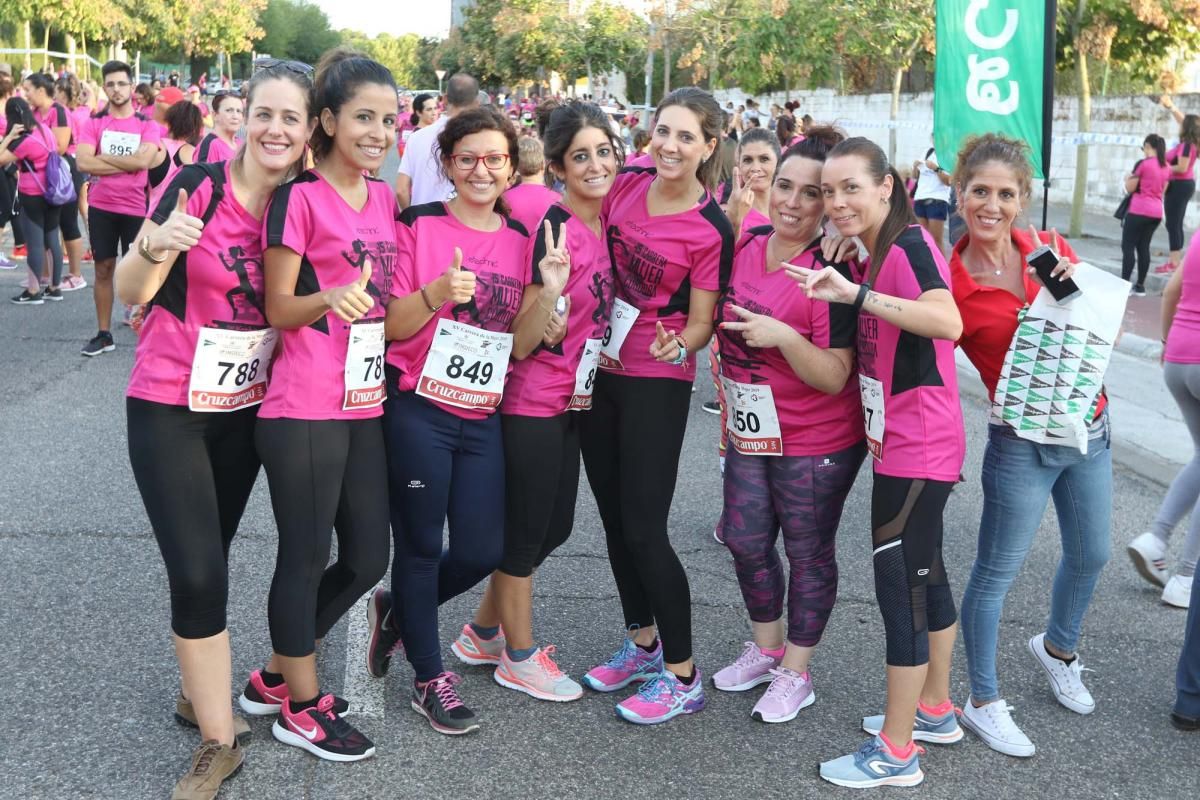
364	693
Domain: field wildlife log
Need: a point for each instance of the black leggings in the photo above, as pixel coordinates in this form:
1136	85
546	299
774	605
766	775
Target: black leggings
541	459
631	441
39	220
69	214
1175	203
195	472
324	475
1136	233
910	579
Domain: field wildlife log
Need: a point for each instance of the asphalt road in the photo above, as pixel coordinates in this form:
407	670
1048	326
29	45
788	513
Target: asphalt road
90	676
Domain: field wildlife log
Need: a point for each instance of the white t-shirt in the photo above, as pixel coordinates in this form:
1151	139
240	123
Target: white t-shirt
421	163
929	185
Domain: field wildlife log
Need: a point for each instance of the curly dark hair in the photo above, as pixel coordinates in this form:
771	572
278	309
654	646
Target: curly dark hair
477	120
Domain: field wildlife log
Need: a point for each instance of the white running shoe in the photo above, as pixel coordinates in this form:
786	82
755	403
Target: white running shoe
993	724
1149	555
1066	680
1178	592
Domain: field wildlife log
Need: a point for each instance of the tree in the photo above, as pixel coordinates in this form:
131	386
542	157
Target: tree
603	38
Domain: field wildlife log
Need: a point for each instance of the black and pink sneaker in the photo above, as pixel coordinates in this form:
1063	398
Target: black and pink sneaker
438	701
260	700
322	731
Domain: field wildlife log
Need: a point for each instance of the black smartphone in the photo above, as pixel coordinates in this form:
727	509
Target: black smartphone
1044	261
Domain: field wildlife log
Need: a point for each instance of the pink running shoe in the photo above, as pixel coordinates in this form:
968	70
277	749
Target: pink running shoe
260	700
630	664
73	283
1164	269
322	731
788	693
471	648
753	667
662	698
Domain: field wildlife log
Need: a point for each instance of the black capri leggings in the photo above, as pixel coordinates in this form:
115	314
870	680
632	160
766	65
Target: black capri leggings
324	475
541	460
69	212
195	473
631	441
1136	234
910	579
1175	203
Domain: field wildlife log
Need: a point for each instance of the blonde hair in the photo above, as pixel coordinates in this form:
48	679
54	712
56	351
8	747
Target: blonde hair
531	159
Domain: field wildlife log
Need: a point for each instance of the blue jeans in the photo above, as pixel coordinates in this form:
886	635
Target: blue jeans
1187	676
1018	478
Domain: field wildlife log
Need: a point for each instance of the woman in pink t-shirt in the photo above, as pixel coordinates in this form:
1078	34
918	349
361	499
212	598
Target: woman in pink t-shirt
672	251
453	307
184	127
222	142
796	443
30	144
66	94
529	200
908	323
1146	184
329	253
199	373
1182	186
545	393
749	203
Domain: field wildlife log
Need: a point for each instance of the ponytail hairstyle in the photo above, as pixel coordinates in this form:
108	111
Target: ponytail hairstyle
816	145
293	72
69	86
900	213
18	112
339	74
708	113
1189	130
785	129
477	120
559	123
40	80
641	139
1160	148
418	104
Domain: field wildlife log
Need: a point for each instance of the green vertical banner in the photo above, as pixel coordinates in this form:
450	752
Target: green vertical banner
994	73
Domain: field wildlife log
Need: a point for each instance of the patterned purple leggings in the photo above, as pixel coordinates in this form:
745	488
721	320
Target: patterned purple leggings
804	496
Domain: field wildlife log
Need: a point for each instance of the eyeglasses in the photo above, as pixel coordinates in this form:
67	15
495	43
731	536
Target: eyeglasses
298	67
491	161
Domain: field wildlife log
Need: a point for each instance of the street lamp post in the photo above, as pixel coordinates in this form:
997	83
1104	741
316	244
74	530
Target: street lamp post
441	73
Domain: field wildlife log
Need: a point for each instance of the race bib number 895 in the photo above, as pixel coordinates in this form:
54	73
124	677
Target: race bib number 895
118	143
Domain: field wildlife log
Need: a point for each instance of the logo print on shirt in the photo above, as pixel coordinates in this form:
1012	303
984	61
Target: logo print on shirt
639	269
734	349
244	302
383	255
495	304
604	289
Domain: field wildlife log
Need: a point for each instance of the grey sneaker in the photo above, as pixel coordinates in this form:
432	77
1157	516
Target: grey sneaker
438	702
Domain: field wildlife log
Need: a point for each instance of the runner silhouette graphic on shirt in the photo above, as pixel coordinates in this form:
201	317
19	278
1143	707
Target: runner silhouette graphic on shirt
244	302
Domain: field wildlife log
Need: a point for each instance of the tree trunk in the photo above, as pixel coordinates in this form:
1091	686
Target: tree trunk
1085	124
897	79
45	47
666	65
28	46
87	65
591	79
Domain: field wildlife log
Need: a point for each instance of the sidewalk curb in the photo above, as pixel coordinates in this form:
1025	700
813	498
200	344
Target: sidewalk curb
1138	460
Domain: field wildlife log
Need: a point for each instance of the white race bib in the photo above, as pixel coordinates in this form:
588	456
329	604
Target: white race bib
871	391
585	376
229	369
119	143
466	366
364	366
619	325
752	422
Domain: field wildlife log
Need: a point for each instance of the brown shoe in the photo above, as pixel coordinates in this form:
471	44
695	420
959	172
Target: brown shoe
212	764
185	714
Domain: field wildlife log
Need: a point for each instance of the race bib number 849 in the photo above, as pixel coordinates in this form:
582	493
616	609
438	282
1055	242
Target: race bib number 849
466	366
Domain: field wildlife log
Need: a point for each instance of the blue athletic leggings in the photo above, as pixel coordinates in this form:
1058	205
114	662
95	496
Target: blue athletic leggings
440	467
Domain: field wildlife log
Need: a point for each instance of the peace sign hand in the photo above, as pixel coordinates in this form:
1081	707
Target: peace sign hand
665	346
351	302
824	284
759	330
555	265
181	232
1064	269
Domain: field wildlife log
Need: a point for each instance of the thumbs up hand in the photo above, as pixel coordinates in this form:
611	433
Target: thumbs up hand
351	302
181	232
458	284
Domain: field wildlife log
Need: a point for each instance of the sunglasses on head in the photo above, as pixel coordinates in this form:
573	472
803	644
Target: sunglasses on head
298	67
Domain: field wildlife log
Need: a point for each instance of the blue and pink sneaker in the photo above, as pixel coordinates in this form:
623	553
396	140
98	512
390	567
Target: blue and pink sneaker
874	764
662	698
630	664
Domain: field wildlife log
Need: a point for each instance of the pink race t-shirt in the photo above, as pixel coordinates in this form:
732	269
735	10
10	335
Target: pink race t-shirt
32	149
309	217
811	422
753	219
542	384
641	160
1148	199
658	261
1183	340
57	116
427	235
1186	152
923	426
216	284
213	148
529	202
125	192
159	178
